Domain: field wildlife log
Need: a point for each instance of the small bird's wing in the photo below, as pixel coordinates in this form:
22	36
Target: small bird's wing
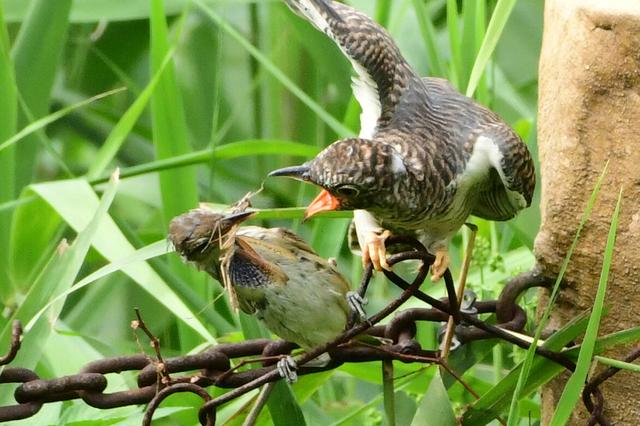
247	271
288	249
382	72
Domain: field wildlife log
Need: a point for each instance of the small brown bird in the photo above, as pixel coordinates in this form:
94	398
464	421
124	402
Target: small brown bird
275	275
427	156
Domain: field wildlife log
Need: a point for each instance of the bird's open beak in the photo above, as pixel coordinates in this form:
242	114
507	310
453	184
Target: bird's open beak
297	172
324	202
236	218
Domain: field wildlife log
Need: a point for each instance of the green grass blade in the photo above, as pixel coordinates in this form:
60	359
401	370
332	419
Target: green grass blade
170	137
270	67
120	132
493	402
383	12
470	9
248	148
435	408
56	277
66	197
497	23
8	123
524	373
618	364
455	43
36	53
427	29
55	116
156	249
573	388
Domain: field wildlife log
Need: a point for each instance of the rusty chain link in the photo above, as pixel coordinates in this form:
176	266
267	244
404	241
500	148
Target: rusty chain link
213	367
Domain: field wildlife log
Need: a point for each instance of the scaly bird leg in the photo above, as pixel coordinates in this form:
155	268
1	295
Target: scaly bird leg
287	369
374	250
371	238
356	304
440	265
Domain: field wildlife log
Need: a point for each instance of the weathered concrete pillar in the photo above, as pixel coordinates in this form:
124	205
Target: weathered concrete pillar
589	112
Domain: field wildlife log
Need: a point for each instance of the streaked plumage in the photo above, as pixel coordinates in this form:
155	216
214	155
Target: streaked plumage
276	276
426	157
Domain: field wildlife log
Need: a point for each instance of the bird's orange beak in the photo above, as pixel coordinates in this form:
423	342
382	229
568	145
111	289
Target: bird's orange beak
324	202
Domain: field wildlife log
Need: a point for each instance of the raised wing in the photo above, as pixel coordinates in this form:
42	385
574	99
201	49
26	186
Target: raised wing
382	72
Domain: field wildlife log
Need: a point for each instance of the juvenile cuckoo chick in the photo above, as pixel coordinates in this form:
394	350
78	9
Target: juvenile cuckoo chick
274	274
427	156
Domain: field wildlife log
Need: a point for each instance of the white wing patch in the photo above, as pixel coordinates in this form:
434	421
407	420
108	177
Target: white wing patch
364	88
486	155
313	15
397	164
365	91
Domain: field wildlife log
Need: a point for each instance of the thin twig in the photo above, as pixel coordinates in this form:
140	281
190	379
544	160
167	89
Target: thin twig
263	397
462	282
161	367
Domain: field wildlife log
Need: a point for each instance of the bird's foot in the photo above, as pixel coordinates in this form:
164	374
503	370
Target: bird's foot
287	367
356	304
374	250
453	345
468	302
440	265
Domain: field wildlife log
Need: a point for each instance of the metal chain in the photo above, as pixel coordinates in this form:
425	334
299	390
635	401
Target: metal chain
213	367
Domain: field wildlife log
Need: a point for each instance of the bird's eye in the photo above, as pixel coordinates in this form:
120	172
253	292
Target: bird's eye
347	190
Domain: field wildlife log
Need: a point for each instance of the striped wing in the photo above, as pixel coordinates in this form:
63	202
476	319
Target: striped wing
382	73
511	176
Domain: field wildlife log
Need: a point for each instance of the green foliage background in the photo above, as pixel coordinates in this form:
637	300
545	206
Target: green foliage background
218	93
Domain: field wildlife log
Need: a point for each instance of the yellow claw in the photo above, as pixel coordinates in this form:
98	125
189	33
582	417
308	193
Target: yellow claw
375	252
440	265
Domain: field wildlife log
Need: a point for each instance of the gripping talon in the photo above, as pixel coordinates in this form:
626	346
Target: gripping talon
440	265
375	251
356	303
468	301
287	369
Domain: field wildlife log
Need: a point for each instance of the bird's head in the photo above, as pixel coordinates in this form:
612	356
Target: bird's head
353	174
200	234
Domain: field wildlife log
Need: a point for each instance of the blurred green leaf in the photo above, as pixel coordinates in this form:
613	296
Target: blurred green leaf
179	189
57	276
36	53
497	23
223	152
269	66
109	10
435	407
46	120
9	114
66	197
121	130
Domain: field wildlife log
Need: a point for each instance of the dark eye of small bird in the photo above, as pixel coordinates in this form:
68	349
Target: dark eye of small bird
347	190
